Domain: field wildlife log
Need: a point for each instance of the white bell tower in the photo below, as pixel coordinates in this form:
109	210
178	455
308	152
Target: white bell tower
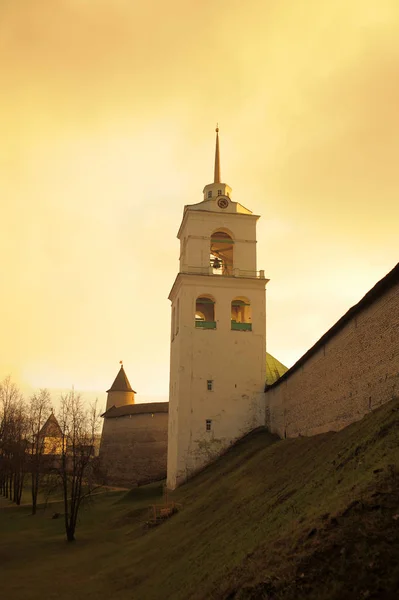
218	337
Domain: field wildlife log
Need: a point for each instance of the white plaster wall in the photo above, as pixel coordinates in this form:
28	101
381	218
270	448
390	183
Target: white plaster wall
234	360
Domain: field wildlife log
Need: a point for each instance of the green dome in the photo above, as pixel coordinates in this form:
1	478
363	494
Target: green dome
274	369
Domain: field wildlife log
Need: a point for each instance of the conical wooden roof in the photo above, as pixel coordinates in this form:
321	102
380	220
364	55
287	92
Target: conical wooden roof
121	383
51	428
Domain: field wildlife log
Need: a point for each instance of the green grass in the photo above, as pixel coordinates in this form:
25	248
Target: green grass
309	517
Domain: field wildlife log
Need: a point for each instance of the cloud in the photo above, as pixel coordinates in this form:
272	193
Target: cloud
107	117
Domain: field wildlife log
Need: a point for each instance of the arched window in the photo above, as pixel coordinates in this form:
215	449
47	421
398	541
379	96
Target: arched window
177	316
221	253
241	314
205	312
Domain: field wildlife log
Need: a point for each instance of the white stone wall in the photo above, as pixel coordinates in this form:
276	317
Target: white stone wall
234	360
134	448
352	373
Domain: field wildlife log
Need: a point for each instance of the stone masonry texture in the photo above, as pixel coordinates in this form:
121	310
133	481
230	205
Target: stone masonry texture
353	369
134	448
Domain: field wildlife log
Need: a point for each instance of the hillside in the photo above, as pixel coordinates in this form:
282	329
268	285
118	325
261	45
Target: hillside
303	518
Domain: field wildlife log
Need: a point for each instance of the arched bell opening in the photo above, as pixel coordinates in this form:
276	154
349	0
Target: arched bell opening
205	312
221	253
241	314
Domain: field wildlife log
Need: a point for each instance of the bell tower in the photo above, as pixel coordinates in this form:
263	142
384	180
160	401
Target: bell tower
218	333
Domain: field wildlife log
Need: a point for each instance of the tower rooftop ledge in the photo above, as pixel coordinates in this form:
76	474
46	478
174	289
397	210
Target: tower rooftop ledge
209	271
192	210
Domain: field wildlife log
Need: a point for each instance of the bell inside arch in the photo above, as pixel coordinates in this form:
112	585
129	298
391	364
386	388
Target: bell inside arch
221	253
217	263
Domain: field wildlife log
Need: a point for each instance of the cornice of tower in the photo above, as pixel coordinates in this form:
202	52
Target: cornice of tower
190	211
216	281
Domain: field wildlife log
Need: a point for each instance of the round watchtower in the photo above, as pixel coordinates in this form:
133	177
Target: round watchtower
134	438
120	393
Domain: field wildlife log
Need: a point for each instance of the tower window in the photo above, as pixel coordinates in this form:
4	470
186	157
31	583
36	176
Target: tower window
209	385
208	425
219	192
241	315
210	194
205	313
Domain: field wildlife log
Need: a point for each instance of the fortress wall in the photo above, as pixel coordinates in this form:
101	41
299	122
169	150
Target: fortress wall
351	370
134	448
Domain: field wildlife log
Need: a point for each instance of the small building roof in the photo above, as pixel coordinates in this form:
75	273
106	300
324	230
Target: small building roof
274	369
51	428
136	409
121	383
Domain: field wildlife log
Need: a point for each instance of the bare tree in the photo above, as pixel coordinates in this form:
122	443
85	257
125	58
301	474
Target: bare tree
13	440
77	467
38	411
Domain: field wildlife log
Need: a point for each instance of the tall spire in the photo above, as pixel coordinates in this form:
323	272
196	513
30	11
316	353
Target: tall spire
216	188
217	158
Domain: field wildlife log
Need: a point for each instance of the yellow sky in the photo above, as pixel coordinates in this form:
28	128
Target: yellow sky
107	115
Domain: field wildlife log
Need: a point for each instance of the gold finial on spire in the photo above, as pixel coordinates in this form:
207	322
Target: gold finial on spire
217	157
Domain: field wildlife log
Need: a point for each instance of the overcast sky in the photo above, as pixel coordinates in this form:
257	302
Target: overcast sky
107	117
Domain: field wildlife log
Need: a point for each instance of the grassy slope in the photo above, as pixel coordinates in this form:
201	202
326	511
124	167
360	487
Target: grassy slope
310	517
